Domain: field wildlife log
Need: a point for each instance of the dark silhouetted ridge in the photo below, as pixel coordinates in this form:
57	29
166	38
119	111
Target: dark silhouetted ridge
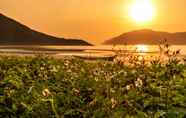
147	36
15	33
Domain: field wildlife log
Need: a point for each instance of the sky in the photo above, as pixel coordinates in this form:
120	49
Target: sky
92	20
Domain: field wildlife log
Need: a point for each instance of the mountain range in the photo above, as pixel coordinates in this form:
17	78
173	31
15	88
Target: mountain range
147	36
15	33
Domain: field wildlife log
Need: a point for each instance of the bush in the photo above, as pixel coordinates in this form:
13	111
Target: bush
72	88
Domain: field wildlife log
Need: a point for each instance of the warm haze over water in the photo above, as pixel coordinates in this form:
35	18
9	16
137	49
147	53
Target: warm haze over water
97	20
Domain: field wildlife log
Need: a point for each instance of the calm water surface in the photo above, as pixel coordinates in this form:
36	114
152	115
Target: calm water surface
100	50
146	49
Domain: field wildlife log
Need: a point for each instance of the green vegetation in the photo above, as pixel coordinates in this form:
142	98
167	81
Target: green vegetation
44	87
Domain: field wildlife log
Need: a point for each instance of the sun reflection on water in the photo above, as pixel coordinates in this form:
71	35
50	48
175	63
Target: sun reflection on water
142	48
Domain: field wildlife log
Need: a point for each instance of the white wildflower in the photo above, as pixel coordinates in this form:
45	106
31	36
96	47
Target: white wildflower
138	83
112	90
114	103
76	91
128	87
46	92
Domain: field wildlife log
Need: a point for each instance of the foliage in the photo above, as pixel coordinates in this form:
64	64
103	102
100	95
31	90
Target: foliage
45	87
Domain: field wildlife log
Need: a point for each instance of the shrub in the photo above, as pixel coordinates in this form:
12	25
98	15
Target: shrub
72	88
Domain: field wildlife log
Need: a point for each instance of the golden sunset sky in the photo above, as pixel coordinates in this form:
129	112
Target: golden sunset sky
93	20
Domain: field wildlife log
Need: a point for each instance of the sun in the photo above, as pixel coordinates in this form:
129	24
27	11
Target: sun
142	11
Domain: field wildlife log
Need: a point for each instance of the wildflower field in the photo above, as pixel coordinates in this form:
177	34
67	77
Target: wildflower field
45	87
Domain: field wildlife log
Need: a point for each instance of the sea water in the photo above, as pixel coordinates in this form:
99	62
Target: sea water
100	50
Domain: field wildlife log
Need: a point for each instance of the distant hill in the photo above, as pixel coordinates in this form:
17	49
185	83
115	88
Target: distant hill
149	37
15	33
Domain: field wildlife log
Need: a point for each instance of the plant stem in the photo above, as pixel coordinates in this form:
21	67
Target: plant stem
53	108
